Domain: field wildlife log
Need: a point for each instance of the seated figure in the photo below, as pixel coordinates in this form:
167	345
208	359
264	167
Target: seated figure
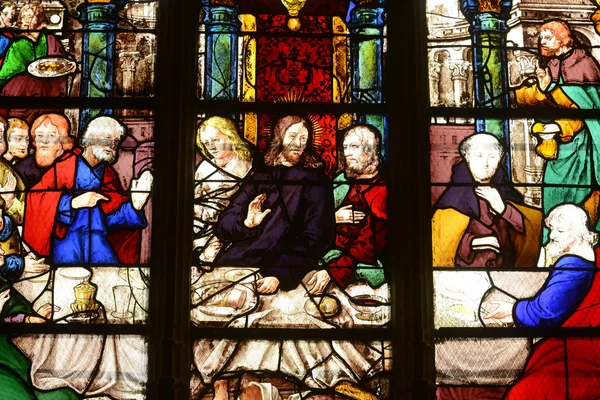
480	220
570	297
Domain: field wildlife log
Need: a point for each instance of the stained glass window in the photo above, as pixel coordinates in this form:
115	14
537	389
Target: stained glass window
77	172
290	202
514	184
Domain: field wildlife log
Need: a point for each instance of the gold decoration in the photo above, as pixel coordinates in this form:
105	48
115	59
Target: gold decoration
249	69
251	127
340	62
354	392
248	22
294	7
345	121
294	24
227	3
85	298
99	1
596	17
292	96
489	6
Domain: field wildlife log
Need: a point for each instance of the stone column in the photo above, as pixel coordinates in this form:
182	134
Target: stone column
460	73
488	28
434	81
128	62
221	69
99	19
366	26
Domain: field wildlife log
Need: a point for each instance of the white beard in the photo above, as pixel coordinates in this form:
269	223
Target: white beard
102	156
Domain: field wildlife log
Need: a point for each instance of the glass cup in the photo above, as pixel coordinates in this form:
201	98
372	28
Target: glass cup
122	296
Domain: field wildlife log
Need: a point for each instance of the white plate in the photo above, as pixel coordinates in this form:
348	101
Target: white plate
75	273
241	275
51	67
203	293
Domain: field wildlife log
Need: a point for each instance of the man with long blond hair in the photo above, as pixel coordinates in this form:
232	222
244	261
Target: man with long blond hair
282	218
226	160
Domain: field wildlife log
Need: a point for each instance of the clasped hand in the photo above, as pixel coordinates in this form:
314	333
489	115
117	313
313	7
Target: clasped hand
492	196
345	215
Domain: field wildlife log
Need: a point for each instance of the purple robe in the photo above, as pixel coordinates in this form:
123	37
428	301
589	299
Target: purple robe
290	240
29	171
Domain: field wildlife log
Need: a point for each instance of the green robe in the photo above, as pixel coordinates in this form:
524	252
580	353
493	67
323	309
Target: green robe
576	159
15	367
20	54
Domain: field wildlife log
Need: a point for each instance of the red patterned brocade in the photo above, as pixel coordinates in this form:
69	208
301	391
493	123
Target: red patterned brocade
295	69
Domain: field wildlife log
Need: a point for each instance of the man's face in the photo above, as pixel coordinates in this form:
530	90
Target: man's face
549	44
47	144
29	20
217	144
294	143
483	160
357	159
561	238
104	145
7	16
18	142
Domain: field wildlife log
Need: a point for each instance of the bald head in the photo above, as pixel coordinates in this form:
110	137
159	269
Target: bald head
482	153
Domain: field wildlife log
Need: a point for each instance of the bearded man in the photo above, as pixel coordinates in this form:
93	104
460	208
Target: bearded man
360	195
282	217
78	213
570	297
571	80
50	136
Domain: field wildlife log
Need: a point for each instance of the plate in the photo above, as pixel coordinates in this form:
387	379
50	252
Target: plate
462	312
75	273
51	67
322	306
241	275
367	303
216	298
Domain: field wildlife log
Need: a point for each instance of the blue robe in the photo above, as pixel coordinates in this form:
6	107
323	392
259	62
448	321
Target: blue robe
563	291
85	240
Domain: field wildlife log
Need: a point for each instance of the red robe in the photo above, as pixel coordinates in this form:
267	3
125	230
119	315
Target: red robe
40	225
364	242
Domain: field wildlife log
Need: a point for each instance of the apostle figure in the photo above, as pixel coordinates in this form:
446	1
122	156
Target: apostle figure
17	141
31	44
78	213
360	195
479	221
8	10
570	297
50	139
571	80
12	189
227	159
282	217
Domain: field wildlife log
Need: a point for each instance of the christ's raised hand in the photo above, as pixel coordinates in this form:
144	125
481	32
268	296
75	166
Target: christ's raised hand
255	214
